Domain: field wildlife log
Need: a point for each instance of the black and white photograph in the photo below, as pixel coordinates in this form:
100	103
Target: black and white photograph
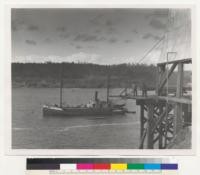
101	78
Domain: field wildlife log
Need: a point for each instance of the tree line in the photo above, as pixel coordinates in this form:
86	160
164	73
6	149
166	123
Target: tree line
82	74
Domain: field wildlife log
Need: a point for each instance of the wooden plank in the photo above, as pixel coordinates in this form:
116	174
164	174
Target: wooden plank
150	138
142	129
154	98
165	77
141	146
179	90
160	142
157	79
160	72
165	133
187	114
141	120
117	96
184	61
178	120
178	109
176	99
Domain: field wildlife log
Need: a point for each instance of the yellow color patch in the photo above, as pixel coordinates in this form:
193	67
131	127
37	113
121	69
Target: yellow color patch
118	166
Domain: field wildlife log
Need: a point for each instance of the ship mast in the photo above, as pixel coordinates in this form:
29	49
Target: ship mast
108	87
61	83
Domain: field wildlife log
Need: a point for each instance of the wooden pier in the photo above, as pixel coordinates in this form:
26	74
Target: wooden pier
163	116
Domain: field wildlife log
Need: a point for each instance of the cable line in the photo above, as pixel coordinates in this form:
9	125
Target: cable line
151	49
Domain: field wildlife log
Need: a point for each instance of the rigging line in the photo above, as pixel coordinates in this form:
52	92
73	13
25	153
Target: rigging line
162	38
166	105
169	22
156	54
167	65
162	49
175	34
156	44
176	37
187	25
184	34
167	38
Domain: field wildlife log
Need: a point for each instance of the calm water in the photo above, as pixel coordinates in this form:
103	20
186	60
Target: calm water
30	130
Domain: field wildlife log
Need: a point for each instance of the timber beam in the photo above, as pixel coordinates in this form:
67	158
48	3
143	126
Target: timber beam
184	61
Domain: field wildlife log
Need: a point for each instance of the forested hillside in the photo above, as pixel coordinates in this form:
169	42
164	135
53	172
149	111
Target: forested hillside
82	75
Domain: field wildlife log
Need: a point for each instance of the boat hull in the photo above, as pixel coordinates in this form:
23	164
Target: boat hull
55	111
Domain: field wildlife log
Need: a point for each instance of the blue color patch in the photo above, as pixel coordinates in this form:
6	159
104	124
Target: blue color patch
152	166
169	166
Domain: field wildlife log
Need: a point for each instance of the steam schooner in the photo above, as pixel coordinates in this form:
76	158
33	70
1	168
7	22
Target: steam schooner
94	107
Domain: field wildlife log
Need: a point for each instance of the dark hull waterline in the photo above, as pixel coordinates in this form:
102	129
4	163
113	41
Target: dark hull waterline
79	111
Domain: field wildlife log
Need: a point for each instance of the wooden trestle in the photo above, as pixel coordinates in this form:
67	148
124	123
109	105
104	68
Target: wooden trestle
158	122
163	116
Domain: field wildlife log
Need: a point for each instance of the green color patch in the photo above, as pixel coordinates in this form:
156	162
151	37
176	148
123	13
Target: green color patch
135	166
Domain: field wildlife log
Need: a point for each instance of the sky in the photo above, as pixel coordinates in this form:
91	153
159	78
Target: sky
99	36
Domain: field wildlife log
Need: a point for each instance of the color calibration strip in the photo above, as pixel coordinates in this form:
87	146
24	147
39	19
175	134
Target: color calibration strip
103	166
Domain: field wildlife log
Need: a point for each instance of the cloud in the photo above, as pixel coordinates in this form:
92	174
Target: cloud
76	57
159	13
127	41
30	42
111	30
78	47
87	38
108	23
14	26
33	28
97	31
37	59
61	29
151	36
48	40
96	20
64	35
17	25
112	40
82	57
157	24
102	38
135	31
